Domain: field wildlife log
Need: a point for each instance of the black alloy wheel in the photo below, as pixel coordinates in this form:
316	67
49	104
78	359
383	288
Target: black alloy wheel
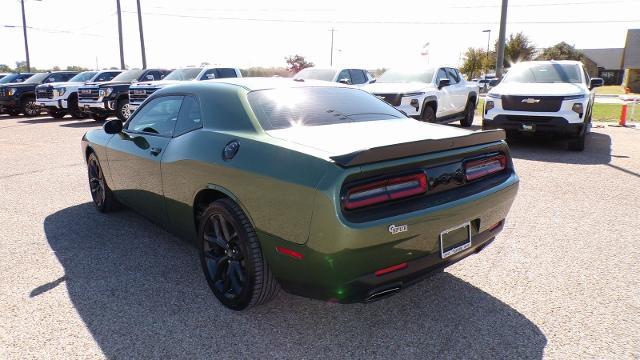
470	112
231	258
30	107
428	114
100	193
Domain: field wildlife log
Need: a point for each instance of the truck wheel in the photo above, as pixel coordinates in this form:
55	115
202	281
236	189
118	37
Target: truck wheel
29	107
577	144
470	112
123	111
99	118
74	110
57	114
428	114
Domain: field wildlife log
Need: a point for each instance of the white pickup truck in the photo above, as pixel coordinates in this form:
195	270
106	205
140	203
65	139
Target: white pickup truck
432	94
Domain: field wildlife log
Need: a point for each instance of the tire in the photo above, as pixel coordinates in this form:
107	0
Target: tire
74	110
232	261
102	196
57	114
122	109
28	107
428	114
98	117
470	113
577	143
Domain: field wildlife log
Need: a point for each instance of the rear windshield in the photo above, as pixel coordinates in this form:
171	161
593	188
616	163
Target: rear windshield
183	74
314	106
83	76
544	73
316	74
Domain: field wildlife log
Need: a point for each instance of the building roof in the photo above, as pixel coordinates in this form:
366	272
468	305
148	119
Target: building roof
631	57
609	59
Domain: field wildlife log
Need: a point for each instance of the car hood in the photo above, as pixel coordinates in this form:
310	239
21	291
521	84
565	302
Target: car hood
534	89
395	88
54	84
339	139
159	83
21	85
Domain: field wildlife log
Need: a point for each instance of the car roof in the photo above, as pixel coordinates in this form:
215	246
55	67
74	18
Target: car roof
263	83
571	62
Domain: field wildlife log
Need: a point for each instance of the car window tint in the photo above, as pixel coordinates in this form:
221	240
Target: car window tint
358	77
189	118
344	74
158	117
225	73
441	75
453	76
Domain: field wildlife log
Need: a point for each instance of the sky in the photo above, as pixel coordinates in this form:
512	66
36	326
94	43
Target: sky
245	33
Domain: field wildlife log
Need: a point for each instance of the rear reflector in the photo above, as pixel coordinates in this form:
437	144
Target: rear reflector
480	168
385	190
294	254
391	269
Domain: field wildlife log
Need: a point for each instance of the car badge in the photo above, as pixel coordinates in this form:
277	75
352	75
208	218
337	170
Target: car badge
393	229
531	101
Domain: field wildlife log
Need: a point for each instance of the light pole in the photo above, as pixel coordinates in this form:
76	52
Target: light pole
144	55
488	31
24	31
331	58
120	34
501	39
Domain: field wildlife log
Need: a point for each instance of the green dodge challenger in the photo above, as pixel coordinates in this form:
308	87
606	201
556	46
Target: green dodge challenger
320	189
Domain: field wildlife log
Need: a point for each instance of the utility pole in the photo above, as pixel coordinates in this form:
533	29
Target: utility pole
331	59
24	31
144	55
488	42
501	39
120	35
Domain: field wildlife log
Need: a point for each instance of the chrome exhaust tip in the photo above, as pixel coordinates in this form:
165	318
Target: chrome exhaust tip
380	294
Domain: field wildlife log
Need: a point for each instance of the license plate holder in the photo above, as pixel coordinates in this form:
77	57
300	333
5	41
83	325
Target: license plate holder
455	240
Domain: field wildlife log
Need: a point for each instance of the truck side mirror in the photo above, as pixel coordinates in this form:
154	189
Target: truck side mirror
596	82
345	81
443	82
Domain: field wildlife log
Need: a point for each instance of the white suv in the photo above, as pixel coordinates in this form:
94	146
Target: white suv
543	97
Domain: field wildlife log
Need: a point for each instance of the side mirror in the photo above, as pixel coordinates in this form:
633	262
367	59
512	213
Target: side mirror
149	77
113	126
372	81
443	82
345	81
596	82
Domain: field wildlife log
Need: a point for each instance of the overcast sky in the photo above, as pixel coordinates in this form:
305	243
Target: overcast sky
247	33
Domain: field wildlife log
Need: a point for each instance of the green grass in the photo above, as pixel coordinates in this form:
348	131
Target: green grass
610	90
601	112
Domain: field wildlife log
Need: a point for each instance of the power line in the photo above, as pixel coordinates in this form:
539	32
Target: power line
383	22
52	31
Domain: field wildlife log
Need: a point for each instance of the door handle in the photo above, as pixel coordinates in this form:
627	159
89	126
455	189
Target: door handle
155	151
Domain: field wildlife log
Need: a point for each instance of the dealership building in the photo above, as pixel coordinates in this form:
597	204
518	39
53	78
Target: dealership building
618	66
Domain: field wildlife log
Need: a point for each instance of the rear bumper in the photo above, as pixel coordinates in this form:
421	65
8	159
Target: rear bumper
557	125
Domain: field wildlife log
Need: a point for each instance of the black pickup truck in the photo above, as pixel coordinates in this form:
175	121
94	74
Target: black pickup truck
16	98
105	99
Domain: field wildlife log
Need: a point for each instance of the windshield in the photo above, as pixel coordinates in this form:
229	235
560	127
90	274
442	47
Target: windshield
316	74
8	79
37	78
183	74
129	75
314	106
406	76
544	73
83	76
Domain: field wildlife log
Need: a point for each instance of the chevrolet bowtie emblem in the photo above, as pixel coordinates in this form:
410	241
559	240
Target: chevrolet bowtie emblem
531	101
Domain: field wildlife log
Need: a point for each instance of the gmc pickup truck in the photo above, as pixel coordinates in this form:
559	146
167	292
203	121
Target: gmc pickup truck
431	94
105	99
61	98
139	92
19	98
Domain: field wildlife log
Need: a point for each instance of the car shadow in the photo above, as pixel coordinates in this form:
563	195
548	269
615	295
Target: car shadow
141	293
597	150
42	120
83	124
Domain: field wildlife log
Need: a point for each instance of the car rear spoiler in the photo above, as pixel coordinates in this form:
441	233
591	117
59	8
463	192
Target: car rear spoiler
402	150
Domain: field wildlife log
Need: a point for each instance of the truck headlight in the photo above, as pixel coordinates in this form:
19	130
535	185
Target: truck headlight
578	108
488	106
11	91
59	91
105	92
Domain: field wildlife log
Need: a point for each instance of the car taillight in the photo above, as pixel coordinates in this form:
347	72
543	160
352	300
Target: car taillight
385	190
479	168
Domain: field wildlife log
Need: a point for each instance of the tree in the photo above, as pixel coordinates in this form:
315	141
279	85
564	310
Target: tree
561	51
56	68
76	68
474	62
5	68
296	63
518	48
21	66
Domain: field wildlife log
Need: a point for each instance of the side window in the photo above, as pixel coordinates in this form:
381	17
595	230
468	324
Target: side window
441	75
189	118
344	74
158	117
225	73
209	74
154	73
358	77
453	76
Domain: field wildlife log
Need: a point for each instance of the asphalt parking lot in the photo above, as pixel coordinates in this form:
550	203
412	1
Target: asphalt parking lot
562	281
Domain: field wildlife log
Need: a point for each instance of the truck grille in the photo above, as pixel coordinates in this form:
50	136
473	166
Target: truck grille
393	99
137	96
88	94
46	93
532	103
